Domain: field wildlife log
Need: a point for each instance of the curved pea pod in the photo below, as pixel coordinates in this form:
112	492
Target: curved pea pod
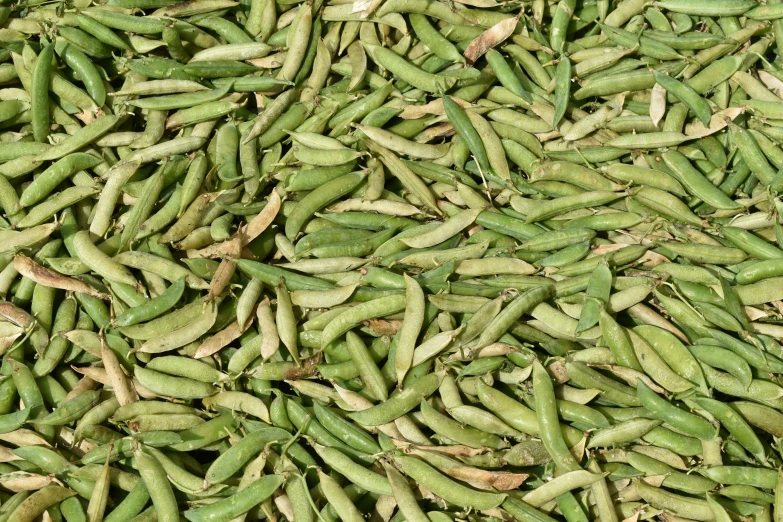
555	207
585	377
39	97
154	307
608	84
124	22
691	273
765	291
674	479
758	477
338	498
189	116
182	101
233	51
242	452
750	353
124	447
648	140
725	360
557	239
99	262
646	45
735	425
468	435
186	367
760	416
685	421
673	352
365	478
38	502
400	402
189	332
560	486
685	40
464	127
574	174
511	313
369	310
368	371
403	146
61	170
617	339
717	255
43	211
316	200
165	268
170	386
759	271
13	421
218	68
622	432
694	508
45	458
505	74
695	182
348	432
431	260
517	415
446	488
752	244
667	204
596	297
707	7
85	136
408	72
562	89
752	154
72	409
161	325
81	64
687	95
325	158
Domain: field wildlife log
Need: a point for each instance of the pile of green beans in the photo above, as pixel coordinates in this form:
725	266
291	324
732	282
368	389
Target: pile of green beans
391	260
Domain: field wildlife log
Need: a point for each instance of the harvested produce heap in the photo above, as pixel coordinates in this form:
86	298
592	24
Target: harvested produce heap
391	260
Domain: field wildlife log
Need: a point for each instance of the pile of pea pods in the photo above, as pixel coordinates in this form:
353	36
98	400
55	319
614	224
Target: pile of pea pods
391	260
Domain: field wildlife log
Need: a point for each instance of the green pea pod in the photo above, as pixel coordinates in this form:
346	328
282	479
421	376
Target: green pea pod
686	94
598	292
562	89
459	119
39	96
182	101
682	420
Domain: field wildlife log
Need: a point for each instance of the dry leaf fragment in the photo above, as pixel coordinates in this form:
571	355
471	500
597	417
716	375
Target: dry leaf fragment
22	481
478	478
490	38
720	120
383	326
657	104
45	277
414	112
220	340
773	83
122	386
